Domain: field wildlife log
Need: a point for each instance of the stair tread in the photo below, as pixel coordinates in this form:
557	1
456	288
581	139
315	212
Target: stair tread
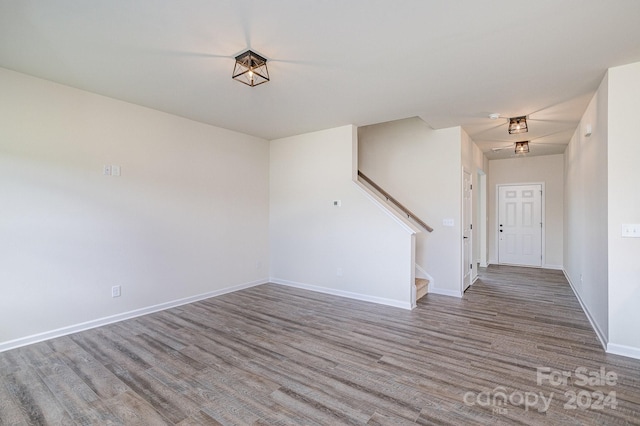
421	287
421	282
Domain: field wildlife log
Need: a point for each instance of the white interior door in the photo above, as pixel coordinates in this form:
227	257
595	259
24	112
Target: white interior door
520	224
467	264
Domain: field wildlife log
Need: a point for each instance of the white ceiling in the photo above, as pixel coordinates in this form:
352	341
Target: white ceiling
335	62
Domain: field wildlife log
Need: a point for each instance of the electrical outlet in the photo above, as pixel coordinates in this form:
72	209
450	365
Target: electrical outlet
115	291
115	170
106	170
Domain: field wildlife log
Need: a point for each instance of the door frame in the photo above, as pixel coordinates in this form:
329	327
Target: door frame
543	261
463	265
483	220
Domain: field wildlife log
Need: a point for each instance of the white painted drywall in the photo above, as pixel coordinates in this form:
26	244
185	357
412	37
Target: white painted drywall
585	211
547	169
188	215
356	249
422	168
624	207
601	175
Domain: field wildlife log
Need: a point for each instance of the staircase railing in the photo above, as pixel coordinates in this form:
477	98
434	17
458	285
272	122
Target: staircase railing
395	202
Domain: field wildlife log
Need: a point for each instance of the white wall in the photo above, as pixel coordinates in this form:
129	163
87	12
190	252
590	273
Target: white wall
624	207
311	239
188	215
547	169
421	168
585	212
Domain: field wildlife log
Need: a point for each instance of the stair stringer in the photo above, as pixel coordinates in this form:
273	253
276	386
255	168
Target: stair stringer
421	273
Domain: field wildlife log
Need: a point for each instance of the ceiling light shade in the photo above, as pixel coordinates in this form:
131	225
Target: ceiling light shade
522	147
518	125
250	69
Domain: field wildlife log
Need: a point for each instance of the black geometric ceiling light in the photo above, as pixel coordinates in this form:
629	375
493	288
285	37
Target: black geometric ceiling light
522	147
518	125
250	69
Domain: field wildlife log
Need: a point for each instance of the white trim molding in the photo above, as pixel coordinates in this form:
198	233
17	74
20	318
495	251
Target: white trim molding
445	292
52	334
387	208
424	274
599	333
628	351
555	267
342	293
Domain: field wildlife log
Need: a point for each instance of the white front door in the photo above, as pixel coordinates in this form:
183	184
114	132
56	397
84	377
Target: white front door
466	231
520	224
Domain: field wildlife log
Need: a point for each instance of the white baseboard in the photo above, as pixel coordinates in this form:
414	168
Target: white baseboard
444	292
35	338
556	267
601	336
435	290
342	293
623	350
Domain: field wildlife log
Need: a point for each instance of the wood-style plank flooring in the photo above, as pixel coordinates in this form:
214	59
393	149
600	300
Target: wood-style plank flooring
281	356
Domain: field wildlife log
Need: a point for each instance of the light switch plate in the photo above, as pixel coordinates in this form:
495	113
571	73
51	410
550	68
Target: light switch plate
448	222
631	230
